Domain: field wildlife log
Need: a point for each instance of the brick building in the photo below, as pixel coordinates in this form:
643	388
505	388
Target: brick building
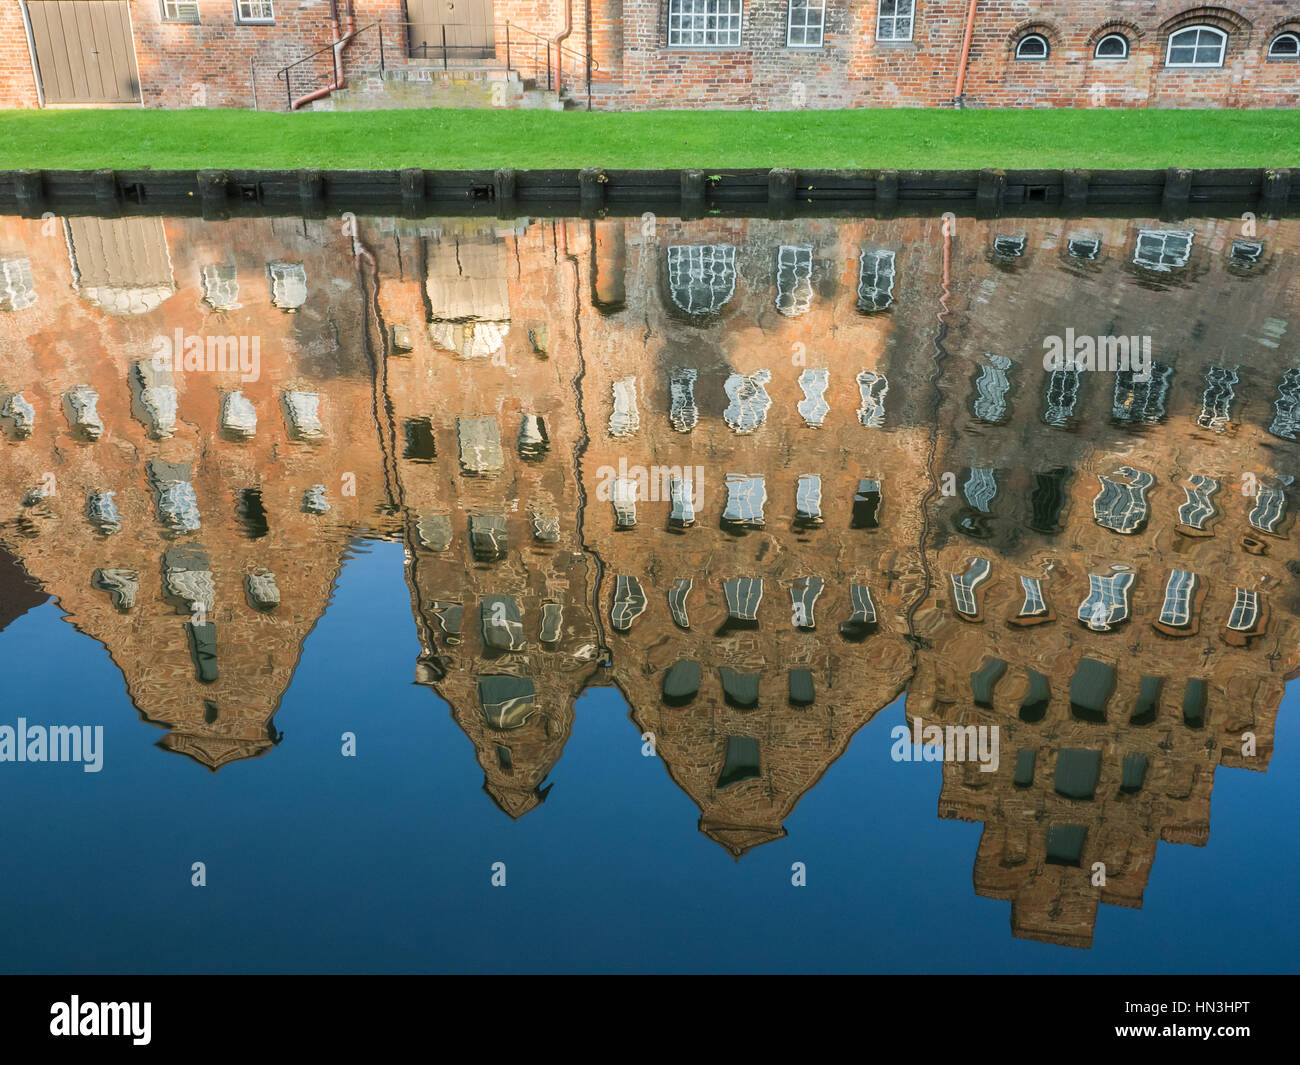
641	54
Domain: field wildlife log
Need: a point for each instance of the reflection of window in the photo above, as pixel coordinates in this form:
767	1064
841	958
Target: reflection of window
1196	46
288	285
1062	396
894	21
1285	46
1142	401
703	23
180	10
965	585
1112	46
1246	253
794	279
806	23
1286	419
1083	247
1107	602
1010	247
1163	249
254	11
1217	399
701	277
1121	505
872	387
981	488
1177	607
220	285
876	280
1245	611
17	289
991	388
1034	46
1199	508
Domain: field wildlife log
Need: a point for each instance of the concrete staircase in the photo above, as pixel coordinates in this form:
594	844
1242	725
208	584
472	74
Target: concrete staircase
424	85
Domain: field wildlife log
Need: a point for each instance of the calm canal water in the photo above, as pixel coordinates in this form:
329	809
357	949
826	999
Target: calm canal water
724	595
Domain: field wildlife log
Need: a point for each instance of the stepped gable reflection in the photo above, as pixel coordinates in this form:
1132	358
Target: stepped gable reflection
763	476
190	552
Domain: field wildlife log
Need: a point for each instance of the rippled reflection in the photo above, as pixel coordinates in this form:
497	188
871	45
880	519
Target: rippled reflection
763	476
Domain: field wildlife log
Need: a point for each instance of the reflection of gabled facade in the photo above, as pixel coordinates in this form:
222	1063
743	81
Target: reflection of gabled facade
176	532
764	477
485	436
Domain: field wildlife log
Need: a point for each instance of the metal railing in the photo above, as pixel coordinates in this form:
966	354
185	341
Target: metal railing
530	55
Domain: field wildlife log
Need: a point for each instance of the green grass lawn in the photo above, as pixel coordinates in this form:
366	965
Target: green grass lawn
451	140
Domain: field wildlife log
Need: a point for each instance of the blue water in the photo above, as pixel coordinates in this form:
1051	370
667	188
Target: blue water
383	862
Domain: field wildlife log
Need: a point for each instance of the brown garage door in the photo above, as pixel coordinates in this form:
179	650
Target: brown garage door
467	25
84	52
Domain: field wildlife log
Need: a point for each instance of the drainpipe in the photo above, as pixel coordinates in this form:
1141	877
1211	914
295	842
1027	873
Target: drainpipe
965	53
340	42
558	42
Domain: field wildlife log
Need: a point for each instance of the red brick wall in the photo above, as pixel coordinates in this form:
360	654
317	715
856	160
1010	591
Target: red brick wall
216	62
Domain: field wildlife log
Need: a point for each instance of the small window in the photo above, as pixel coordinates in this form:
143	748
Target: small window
1163	250
806	24
254	11
1083	247
704	23
1285	46
180	11
288	285
1112	46
1197	46
875	280
17	289
894	20
1009	247
1246	253
1033	47
794	291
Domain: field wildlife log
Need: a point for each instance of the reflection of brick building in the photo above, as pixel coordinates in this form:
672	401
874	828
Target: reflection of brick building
118	548
712	456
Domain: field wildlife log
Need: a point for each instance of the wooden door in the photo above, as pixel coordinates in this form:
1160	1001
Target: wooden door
84	51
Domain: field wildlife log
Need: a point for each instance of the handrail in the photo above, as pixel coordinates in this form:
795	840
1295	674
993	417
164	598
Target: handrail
449	50
283	72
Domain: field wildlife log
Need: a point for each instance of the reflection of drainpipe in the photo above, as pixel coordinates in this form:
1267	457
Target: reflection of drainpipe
340	42
965	53
559	43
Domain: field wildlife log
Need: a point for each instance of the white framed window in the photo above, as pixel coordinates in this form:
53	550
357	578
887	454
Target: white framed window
17	289
1285	46
288	285
1112	46
1196	46
875	280
794	291
701	277
806	24
220	286
180	10
254	11
894	20
1163	250
1034	47
704	23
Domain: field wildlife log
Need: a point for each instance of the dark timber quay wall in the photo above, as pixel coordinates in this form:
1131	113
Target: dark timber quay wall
594	190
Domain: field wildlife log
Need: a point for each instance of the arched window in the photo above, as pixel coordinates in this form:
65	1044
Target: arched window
1285	46
1033	46
1112	46
1196	46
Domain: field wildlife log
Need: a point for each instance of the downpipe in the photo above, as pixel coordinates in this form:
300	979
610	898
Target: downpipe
340	42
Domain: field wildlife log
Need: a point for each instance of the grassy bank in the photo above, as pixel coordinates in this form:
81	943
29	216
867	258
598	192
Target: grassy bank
903	139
